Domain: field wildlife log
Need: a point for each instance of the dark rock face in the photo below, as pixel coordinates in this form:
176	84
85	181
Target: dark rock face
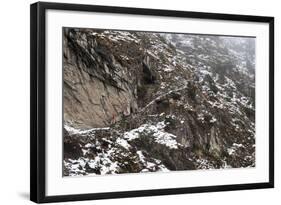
98	85
145	102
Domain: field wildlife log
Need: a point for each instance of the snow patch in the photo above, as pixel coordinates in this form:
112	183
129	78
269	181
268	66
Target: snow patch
123	143
72	130
155	131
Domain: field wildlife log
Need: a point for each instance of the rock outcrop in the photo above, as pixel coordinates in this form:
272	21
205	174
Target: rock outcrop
98	86
144	102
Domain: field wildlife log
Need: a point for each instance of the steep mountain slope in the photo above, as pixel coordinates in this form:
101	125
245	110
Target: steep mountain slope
138	102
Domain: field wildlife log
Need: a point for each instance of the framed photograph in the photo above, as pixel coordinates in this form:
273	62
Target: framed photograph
129	102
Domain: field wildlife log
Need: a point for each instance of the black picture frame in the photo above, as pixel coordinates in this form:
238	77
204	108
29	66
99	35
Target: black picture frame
38	101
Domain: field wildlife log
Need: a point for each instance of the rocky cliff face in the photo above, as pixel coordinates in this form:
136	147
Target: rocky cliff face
142	102
99	84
